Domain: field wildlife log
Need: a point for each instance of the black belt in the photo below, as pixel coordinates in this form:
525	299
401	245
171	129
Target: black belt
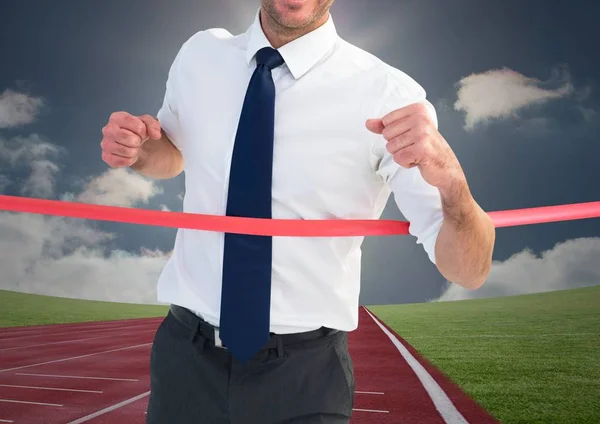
200	327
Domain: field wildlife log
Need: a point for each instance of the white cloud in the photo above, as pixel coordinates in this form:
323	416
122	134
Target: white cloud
119	187
22	150
18	108
116	187
39	156
71	258
42	180
570	264
501	93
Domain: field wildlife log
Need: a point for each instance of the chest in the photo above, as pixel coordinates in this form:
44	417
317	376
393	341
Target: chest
320	137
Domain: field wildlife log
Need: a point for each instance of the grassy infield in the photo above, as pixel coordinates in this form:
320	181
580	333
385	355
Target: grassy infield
526	359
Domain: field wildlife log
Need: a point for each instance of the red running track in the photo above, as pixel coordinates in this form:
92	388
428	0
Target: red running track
98	373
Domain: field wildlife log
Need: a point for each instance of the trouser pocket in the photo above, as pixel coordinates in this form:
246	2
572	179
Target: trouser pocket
342	353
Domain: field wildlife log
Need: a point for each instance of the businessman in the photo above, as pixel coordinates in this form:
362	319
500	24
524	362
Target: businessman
289	121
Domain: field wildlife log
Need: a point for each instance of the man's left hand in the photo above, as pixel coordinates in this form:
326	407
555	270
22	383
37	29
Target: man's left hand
413	140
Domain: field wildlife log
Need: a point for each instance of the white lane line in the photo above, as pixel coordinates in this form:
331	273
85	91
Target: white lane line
51	388
29	403
369	393
76	376
6	421
109	409
371	410
77	340
49	334
440	399
74	357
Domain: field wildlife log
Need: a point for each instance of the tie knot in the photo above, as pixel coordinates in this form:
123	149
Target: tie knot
270	57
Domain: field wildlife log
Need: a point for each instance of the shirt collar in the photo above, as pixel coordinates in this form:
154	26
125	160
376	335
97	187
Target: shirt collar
301	54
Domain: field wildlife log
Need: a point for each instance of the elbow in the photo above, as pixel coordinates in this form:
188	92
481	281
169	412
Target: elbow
477	280
471	277
468	263
473	281
479	275
177	170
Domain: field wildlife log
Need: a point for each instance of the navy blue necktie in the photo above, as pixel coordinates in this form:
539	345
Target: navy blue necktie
246	291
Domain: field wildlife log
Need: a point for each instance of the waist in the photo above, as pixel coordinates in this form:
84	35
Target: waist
210	332
275	328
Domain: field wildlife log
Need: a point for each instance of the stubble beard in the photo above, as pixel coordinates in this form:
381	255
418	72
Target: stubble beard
291	30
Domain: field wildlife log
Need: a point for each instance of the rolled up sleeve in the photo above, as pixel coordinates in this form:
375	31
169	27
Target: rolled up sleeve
418	201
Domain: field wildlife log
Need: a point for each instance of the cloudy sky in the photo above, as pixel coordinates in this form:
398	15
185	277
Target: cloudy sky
516	86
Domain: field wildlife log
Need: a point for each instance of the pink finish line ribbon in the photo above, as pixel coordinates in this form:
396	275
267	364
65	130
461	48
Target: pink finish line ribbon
278	227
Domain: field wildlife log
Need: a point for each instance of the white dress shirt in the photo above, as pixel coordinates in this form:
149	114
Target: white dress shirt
327	165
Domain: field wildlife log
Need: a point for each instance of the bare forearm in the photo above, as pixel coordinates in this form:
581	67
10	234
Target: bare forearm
159	159
466	240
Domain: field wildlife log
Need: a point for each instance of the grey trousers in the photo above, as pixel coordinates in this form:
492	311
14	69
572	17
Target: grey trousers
296	382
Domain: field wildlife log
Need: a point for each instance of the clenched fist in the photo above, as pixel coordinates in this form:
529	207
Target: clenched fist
123	137
413	140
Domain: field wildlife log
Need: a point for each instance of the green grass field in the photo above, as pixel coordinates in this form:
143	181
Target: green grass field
526	359
26	309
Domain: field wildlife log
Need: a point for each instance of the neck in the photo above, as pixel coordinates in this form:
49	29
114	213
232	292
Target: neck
279	35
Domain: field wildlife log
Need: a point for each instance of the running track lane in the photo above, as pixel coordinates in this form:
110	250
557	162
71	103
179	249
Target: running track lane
394	384
415	391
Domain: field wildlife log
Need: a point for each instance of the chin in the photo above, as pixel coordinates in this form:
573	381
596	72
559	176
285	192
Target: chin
295	21
294	13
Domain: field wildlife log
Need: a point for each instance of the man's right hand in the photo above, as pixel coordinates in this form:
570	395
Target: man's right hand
123	137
